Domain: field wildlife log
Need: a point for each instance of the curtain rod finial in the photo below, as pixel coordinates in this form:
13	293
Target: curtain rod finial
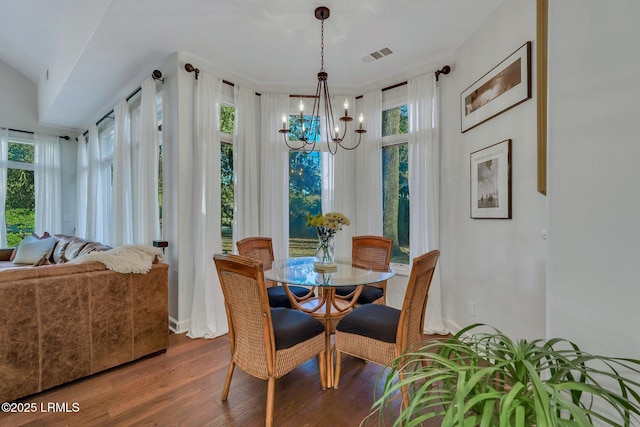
445	70
191	69
157	75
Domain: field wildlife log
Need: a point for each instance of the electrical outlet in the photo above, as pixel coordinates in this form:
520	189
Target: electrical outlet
472	309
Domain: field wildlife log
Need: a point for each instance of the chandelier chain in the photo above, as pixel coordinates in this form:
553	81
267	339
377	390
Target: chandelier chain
322	45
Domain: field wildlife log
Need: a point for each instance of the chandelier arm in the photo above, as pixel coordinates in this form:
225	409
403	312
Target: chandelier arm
284	135
315	130
355	146
344	134
313	147
326	107
335	146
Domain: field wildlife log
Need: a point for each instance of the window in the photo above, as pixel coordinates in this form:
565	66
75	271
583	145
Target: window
227	122
395	181
305	188
20	197
305	197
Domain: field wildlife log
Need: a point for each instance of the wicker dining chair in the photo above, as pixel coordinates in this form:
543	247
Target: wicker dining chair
372	252
261	249
379	333
265	342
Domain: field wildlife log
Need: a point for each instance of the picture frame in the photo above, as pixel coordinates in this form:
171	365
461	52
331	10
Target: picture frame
505	86
491	181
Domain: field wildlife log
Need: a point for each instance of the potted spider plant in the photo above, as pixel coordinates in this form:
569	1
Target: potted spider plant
481	377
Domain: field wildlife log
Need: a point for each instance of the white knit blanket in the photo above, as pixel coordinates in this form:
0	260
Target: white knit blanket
125	259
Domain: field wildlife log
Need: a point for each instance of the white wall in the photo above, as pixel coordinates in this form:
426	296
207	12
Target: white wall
593	150
498	264
19	110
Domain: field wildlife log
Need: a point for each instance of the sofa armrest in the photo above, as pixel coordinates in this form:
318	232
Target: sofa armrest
5	254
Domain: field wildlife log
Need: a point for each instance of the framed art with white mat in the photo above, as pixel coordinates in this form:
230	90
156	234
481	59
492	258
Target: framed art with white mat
491	181
505	86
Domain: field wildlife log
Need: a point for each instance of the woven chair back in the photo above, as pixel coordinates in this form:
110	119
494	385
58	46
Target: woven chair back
258	248
372	252
248	313
415	300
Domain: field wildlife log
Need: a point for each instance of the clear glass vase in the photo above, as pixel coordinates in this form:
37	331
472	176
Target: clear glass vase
325	250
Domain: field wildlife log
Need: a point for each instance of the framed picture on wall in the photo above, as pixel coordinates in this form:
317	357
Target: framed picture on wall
491	181
505	86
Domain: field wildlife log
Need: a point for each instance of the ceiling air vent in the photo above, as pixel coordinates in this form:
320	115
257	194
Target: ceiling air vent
385	51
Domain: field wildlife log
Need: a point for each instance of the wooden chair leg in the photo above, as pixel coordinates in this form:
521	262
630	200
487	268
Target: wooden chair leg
322	369
227	381
271	392
336	380
403	390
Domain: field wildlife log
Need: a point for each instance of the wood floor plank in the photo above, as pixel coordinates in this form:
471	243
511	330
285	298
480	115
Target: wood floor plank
184	387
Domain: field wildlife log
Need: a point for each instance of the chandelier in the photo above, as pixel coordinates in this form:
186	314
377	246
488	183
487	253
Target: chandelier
308	127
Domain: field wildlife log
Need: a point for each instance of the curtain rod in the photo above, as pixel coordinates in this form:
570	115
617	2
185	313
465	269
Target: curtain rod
191	69
65	137
444	70
156	74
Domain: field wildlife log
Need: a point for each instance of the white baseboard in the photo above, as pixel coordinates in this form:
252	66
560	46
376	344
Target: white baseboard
179	327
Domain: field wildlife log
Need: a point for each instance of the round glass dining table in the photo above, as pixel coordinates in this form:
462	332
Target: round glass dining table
302	271
324	304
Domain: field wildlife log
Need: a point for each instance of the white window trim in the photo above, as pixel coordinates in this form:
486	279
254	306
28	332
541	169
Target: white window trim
390	141
12	164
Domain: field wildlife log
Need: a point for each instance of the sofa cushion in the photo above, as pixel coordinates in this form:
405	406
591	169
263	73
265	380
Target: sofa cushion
61	246
93	247
73	248
34	251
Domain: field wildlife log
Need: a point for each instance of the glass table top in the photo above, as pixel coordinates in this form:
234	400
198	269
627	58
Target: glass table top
300	271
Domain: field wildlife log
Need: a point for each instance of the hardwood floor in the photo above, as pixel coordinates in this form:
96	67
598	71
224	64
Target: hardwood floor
183	387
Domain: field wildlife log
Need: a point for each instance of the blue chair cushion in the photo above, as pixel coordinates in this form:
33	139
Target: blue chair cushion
291	327
369	293
278	296
375	321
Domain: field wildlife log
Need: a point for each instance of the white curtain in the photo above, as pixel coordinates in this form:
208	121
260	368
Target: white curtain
145	156
274	185
246	152
368	215
95	214
208	316
121	232
424	185
4	155
82	181
93	184
48	187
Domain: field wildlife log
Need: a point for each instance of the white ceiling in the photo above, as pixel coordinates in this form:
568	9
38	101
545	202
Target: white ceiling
268	42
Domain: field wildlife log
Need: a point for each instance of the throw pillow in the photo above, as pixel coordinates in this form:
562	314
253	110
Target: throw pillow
34	251
34	235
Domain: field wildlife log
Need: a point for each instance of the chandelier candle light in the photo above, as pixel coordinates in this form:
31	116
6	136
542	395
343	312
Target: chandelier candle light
326	226
310	127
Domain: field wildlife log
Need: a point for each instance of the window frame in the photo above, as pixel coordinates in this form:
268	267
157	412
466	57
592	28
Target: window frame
395	100
228	139
12	164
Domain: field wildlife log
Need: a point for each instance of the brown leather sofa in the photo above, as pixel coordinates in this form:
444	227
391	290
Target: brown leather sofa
62	322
